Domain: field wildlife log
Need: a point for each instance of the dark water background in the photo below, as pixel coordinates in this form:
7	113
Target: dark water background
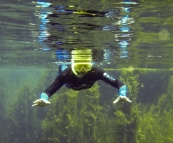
36	37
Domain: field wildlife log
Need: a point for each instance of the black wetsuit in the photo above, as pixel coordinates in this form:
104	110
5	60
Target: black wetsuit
69	79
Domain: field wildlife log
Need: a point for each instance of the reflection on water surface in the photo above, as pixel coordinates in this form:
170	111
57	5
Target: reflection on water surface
136	34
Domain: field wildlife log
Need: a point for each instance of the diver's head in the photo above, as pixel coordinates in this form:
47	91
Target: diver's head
81	67
81	62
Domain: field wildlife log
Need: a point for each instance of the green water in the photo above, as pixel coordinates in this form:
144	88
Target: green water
86	116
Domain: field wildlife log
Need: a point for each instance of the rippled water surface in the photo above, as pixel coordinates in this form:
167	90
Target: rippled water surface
121	34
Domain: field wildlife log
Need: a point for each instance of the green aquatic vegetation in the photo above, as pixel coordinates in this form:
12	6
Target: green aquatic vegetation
21	117
77	116
23	120
73	117
156	123
3	107
127	114
131	78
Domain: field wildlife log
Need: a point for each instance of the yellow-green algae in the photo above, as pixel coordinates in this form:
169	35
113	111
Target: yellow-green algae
78	116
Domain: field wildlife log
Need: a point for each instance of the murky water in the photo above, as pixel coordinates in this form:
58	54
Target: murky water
130	39
136	34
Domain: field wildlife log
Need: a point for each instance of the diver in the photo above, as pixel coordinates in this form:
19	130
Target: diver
82	74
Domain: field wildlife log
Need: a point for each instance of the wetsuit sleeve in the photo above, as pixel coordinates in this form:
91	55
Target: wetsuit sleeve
104	76
56	85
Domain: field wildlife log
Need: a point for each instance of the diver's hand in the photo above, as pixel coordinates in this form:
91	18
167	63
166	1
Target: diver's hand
43	101
122	99
40	102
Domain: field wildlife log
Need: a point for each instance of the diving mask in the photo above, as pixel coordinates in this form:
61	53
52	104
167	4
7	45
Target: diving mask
82	67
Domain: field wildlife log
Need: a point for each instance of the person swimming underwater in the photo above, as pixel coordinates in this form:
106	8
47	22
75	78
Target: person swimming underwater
82	74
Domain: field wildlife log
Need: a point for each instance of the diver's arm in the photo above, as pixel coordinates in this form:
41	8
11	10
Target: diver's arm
122	88
48	92
104	76
56	85
44	97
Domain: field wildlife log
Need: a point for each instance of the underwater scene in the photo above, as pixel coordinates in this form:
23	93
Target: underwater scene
131	40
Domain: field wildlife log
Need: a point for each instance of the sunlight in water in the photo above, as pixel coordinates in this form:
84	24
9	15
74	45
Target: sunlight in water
164	35
130	68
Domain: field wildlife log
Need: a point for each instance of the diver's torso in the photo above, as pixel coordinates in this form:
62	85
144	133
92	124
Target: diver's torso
76	83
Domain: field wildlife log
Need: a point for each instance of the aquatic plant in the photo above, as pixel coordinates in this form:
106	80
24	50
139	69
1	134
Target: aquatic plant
156	123
76	116
73	117
23	120
127	114
3	117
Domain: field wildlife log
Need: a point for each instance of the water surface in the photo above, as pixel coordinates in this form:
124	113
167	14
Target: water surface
123	34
